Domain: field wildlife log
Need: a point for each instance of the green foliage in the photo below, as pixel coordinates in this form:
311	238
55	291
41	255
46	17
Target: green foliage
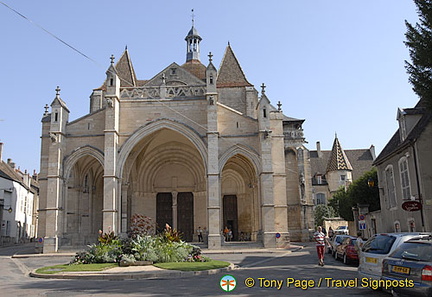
359	192
342	203
166	247
419	42
323	211
106	238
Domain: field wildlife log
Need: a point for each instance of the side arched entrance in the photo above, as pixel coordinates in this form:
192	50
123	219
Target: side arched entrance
83	194
240	198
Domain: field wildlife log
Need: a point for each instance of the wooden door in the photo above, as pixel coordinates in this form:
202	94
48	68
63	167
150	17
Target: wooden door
230	217
185	215
164	211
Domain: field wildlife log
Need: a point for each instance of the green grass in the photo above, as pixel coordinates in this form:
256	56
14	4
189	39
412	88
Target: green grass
193	266
75	267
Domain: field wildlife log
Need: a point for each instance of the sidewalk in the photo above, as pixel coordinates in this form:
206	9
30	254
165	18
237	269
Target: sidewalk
149	271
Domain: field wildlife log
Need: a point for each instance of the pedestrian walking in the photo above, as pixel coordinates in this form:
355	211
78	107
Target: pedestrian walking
320	240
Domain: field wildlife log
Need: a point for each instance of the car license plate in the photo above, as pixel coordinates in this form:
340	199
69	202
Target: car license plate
401	270
371	260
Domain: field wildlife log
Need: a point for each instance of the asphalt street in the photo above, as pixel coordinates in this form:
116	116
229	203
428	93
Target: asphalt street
258	274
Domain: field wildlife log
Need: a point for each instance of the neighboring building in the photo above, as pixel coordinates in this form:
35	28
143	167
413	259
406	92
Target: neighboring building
18	200
192	146
337	168
405	174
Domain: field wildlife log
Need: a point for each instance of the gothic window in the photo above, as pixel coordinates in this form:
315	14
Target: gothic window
390	187
264	112
404	176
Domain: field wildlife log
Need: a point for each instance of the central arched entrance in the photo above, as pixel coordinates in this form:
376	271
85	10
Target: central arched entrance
164	179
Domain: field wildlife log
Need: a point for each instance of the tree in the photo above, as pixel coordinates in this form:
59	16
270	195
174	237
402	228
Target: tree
419	42
342	203
359	192
323	211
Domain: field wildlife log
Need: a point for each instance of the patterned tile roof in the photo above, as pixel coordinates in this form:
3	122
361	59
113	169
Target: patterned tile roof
360	159
230	72
338	159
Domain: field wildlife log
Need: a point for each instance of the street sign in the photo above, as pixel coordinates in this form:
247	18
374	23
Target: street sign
361	217
411	206
362	225
278	235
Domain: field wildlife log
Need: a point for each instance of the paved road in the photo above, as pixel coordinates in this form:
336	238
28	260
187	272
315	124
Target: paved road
272	268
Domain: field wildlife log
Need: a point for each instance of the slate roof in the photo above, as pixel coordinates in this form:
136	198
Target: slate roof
125	70
7	172
230	73
395	143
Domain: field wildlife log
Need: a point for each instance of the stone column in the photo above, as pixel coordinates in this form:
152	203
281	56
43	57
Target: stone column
174	209
279	178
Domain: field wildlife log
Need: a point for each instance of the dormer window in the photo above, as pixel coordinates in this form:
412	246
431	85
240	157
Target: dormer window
111	82
56	117
211	79
264	112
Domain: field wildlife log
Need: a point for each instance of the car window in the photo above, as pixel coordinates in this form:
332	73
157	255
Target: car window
413	251
380	244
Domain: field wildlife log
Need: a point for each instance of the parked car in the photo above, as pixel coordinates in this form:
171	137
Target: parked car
377	248
412	260
337	240
342	230
347	250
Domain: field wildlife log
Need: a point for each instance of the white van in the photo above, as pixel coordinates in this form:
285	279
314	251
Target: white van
377	248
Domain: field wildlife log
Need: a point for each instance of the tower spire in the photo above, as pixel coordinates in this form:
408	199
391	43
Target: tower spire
193	42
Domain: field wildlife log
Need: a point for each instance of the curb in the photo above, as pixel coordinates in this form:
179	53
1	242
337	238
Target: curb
103	275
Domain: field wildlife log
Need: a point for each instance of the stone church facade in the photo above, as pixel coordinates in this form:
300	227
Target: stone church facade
192	146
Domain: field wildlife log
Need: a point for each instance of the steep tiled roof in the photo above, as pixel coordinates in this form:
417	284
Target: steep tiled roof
125	70
395	143
338	159
196	68
230	73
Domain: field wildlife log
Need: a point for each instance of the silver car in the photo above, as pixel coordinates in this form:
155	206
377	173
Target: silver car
377	248
410	265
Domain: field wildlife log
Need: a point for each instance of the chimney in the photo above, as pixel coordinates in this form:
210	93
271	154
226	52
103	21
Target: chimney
1	151
372	152
318	146
10	163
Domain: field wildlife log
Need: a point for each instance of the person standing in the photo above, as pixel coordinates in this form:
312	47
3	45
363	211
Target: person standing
200	234
359	243
320	240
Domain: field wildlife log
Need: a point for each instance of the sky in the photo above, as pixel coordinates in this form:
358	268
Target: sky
337	64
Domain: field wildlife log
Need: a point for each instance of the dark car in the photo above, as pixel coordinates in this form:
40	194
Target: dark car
411	263
347	250
337	240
